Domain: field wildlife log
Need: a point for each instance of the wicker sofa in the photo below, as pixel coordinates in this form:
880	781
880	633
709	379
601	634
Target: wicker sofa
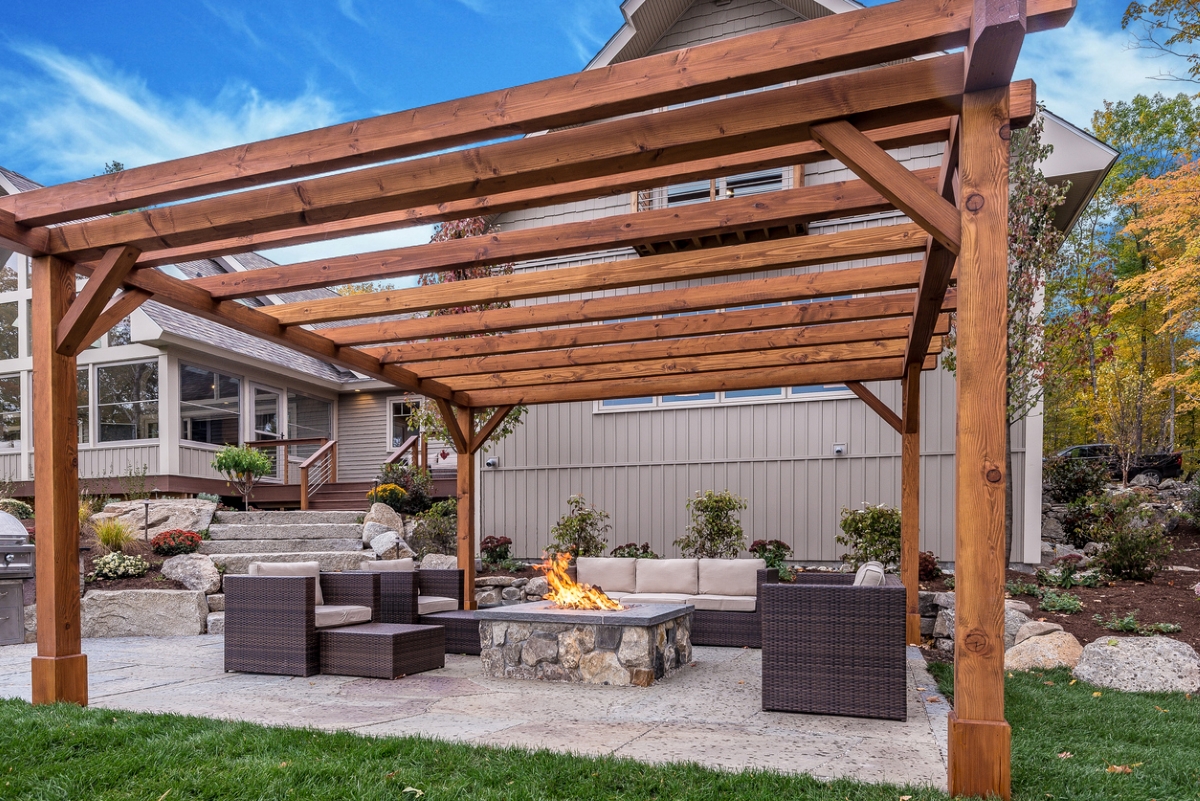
428	598
724	592
271	621
833	648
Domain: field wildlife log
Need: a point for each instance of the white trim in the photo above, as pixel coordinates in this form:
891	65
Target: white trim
657	404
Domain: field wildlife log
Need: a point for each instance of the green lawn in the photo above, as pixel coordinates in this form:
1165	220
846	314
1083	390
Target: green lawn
70	753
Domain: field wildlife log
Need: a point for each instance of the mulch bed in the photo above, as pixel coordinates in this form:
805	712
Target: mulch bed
153	580
1169	598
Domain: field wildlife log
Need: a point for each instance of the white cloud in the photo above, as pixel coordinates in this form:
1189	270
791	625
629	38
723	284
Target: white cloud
66	117
350	12
587	26
366	243
1078	67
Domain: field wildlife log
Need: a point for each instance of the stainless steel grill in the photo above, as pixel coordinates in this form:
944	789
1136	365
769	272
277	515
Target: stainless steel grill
16	551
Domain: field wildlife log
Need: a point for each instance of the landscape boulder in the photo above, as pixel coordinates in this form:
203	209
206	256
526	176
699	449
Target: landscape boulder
389	546
1013	621
1056	649
439	561
385	515
195	571
372	530
143	613
1140	664
165	514
1036	628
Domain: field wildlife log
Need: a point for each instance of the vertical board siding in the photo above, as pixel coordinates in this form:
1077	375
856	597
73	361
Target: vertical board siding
194	461
114	462
362	434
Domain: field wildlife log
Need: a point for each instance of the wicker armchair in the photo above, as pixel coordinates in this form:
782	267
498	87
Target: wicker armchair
733	629
270	621
831	648
400	591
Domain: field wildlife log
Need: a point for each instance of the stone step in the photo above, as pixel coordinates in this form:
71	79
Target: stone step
282	518
216	623
336	561
216	602
279	546
285	531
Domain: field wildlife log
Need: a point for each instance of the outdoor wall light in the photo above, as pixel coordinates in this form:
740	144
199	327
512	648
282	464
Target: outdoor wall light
493	462
839	449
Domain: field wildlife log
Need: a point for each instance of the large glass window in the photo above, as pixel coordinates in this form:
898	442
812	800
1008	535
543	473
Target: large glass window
82	413
127	401
120	334
210	406
8	276
10	334
308	418
10	411
402	426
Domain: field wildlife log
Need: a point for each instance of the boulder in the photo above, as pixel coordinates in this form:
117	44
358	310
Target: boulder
165	514
385	515
1019	606
388	546
927	604
512	594
195	571
1143	480
1036	628
537	586
1140	664
943	600
439	561
216	623
494	581
490	597
143	613
1013	621
1052	529
216	603
1056	649
943	627
372	530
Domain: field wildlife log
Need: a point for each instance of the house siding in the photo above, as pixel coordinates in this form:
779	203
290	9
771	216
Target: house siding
707	22
362	434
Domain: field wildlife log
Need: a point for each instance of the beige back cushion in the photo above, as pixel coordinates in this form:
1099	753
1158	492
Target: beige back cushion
869	575
389	566
730	576
667	575
608	573
290	569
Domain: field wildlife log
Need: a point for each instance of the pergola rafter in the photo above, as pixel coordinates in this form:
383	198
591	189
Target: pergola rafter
606	133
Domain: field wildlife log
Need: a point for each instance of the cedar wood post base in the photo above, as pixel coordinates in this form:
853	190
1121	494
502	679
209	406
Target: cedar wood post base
60	678
980	758
912	628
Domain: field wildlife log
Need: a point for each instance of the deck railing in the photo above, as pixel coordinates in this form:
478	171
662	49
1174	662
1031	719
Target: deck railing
315	472
415	447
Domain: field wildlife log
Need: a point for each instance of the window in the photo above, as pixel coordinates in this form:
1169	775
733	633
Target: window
690	398
120	334
127	401
742	394
308	418
400	422
10	411
622	402
210	406
8	277
10	334
82	413
817	389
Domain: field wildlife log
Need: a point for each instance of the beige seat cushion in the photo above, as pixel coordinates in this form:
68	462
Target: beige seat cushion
291	569
389	566
730	576
617	595
723	603
608	573
656	598
667	575
428	604
328	616
870	574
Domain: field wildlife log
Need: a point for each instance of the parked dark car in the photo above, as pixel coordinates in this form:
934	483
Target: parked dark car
1155	466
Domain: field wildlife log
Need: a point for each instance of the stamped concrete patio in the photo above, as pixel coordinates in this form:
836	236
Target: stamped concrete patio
707	713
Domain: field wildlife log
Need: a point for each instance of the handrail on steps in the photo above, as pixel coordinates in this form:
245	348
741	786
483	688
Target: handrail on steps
416	444
317	470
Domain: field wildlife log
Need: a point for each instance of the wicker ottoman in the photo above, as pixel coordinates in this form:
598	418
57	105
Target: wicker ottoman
462	630
382	650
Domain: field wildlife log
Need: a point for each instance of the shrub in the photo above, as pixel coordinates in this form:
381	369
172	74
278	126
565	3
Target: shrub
243	467
1091	518
208	496
119	565
580	532
1133	553
85	513
112	534
775	554
436	530
417	483
928	568
1020	588
175	542
1060	602
1191	504
1068	575
714	531
495	549
387	494
1067	480
632	550
1130	623
872	534
18	509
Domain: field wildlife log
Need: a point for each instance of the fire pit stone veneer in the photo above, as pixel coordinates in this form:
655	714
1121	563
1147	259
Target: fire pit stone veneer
633	646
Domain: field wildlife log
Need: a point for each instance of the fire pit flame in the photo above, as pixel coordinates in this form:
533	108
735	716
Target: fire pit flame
566	593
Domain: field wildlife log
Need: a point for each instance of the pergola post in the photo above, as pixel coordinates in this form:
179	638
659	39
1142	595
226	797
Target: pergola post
60	668
465	419
979	736
910	501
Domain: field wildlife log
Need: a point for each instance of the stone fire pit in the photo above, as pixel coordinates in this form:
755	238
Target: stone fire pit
636	645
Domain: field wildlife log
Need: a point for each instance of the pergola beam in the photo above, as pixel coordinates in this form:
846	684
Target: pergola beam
495	421
878	406
117	310
869	243
87	308
813	48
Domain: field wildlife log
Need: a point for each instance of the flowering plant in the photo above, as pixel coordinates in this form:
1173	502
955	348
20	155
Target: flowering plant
175	542
117	565
495	549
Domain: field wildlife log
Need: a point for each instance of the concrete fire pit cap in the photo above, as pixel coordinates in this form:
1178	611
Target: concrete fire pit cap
547	612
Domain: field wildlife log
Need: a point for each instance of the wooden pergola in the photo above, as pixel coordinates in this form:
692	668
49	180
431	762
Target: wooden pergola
847	86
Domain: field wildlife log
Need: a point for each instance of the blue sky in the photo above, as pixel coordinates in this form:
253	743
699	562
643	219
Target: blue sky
83	83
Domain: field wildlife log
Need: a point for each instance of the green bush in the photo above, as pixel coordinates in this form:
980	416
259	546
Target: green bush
1133	553
1068	574
1131	623
1191	504
436	530
580	532
632	550
1067	480
1015	588
775	554
714	531
417	483
872	535
18	509
494	550
119	566
112	534
1091	518
1060	602
243	467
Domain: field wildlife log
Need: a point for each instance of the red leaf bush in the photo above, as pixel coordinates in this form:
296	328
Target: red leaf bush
175	542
